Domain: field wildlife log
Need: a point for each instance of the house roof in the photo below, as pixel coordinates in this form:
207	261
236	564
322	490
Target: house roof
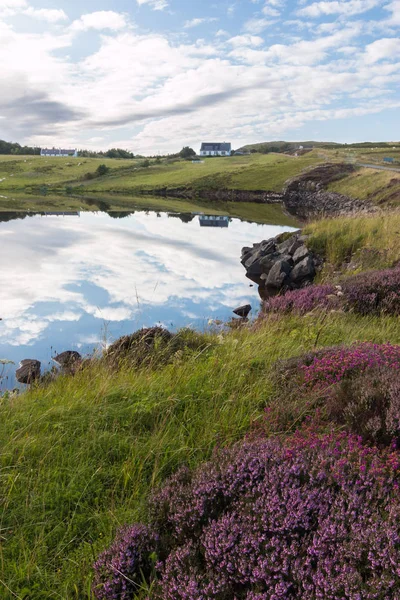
57	151
215	147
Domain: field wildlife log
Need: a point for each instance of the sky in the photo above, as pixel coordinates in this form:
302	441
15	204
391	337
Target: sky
153	76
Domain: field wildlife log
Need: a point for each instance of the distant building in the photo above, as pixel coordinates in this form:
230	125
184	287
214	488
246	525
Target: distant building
388	160
59	152
213	221
215	149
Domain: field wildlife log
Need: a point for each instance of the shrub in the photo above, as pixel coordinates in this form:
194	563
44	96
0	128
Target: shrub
356	386
304	300
375	292
122	568
370	293
369	405
334	365
102	170
312	517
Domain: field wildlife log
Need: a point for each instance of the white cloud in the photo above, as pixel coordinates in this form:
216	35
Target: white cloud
154	4
45	14
100	20
386	48
341	7
199	21
246	40
257	25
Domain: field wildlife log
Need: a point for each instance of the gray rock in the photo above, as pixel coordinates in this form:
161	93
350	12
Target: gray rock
296	243
303	271
68	358
300	254
28	371
278	275
243	311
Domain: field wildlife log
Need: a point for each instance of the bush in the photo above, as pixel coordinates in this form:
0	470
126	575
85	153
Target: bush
374	293
312	517
102	170
370	293
121	569
357	387
303	301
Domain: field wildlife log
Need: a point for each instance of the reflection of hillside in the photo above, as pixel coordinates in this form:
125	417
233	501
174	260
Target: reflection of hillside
184	217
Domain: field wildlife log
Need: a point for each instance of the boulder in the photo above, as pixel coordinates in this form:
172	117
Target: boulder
29	371
303	272
278	275
68	358
243	311
301	253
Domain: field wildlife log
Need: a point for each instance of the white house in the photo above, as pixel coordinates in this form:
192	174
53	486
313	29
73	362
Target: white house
59	152
215	149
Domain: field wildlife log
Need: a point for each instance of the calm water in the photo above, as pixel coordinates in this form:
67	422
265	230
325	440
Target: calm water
70	282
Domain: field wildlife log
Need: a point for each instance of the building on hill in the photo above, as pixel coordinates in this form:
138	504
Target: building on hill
59	152
215	149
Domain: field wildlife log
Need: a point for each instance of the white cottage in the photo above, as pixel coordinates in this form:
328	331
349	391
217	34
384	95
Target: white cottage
215	149
60	152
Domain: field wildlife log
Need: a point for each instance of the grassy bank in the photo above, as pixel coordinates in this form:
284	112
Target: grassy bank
80	456
267	172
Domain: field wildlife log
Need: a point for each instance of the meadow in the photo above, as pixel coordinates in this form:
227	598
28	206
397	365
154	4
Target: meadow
267	172
81	455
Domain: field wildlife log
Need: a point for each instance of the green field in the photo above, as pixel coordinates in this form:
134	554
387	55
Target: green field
80	456
253	172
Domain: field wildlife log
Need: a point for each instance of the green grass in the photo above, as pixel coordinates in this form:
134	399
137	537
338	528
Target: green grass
357	243
241	172
380	186
79	458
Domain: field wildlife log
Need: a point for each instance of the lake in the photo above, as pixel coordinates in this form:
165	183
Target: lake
77	281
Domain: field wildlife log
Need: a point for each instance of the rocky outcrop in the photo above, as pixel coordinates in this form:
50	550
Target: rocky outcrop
280	264
305	196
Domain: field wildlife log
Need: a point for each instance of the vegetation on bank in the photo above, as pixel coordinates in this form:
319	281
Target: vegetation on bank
81	455
266	172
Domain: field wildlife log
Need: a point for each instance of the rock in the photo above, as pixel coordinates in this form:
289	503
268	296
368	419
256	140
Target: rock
278	275
304	271
300	254
29	371
294	246
68	358
243	311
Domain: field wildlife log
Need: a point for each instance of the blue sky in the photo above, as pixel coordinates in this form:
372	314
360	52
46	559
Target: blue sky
154	75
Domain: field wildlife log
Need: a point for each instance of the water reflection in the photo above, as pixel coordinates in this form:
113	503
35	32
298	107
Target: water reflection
67	280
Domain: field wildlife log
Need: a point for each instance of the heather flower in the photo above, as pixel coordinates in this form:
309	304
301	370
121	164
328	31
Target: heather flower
370	293
304	300
121	569
304	518
374	292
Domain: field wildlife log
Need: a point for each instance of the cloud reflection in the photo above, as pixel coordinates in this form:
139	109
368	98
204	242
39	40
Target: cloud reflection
64	277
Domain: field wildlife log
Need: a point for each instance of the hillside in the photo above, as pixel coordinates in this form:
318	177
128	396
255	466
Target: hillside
81	455
212	177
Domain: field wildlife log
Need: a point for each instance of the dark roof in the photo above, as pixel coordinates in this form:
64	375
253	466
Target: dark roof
57	151
215	147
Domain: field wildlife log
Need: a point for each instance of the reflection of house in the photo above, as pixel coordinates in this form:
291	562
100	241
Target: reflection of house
59	152
213	221
213	149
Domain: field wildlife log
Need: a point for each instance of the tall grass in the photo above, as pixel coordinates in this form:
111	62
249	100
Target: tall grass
80	456
361	242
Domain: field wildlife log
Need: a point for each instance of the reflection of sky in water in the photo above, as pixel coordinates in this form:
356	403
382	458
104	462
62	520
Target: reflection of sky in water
68	281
